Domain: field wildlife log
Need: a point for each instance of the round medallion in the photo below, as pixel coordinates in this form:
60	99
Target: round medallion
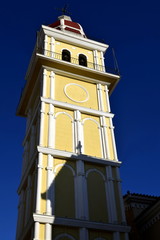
76	92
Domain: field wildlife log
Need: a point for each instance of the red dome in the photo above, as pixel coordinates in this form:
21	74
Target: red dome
65	24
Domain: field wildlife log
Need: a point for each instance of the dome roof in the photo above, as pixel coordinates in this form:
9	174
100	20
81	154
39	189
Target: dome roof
65	24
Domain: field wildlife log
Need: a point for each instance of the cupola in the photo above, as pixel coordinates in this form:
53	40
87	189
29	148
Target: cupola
65	24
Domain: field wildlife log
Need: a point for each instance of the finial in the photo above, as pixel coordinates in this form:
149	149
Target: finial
64	10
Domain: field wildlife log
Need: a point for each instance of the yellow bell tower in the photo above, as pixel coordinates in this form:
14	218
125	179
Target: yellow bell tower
70	186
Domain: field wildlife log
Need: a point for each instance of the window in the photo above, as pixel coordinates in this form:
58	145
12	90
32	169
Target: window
66	56
82	60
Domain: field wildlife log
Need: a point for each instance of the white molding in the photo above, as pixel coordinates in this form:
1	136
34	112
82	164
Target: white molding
39	182
102	61
48	231
52	85
94	170
74	39
113	139
43	218
64	165
41	134
116	236
52	46
81	77
49	190
44	86
107	98
111	194
36	230
85	90
76	107
74	156
83	234
64	235
51	127
79	223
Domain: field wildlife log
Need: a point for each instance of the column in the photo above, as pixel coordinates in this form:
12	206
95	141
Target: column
99	94
116	236
48	231
81	192
39	181
107	97
83	234
52	85
113	140
102	61
36	231
110	195
46	45
49	192
106	149
28	198
52	47
120	196
95	54
51	127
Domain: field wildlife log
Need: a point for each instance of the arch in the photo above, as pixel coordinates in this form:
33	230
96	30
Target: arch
92	137
58	113
98	125
64	132
64	165
66	55
64	186
95	170
65	235
97	205
82	60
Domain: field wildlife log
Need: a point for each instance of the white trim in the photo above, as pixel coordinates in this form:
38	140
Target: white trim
113	140
52	85
65	113
70	84
81	77
74	156
74	39
64	165
102	61
48	231
52	46
49	187
116	236
36	230
51	128
64	235
111	194
107	98
42	115
120	195
43	218
45	44
105	138
95	170
75	107
99	94
95	54
39	181
83	234
92	119
44	86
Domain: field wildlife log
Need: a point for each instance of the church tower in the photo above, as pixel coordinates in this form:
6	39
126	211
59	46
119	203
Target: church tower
70	187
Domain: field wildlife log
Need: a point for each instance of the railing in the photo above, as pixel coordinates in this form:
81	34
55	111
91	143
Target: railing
75	61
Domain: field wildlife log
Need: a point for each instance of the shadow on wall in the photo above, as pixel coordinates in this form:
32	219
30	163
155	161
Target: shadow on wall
77	192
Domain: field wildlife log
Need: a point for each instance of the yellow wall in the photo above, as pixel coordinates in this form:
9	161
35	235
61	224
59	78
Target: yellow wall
74	88
57	230
93	234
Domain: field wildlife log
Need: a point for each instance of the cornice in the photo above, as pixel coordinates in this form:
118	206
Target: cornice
74	39
74	156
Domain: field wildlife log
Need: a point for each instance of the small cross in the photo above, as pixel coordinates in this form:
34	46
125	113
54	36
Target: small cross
64	9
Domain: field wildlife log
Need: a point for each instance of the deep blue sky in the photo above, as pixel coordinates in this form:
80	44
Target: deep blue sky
132	29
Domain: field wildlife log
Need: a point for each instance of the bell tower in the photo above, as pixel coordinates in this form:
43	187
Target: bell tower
70	186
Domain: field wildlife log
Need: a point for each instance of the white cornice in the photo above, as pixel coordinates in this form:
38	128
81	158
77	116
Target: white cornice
76	107
79	223
77	40
65	154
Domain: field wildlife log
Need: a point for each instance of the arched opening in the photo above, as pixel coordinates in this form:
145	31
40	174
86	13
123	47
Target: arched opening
66	56
82	60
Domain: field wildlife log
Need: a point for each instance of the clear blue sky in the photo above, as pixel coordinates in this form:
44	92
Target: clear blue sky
132	29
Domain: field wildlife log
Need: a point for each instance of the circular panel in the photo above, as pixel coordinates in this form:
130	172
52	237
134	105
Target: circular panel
76	92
